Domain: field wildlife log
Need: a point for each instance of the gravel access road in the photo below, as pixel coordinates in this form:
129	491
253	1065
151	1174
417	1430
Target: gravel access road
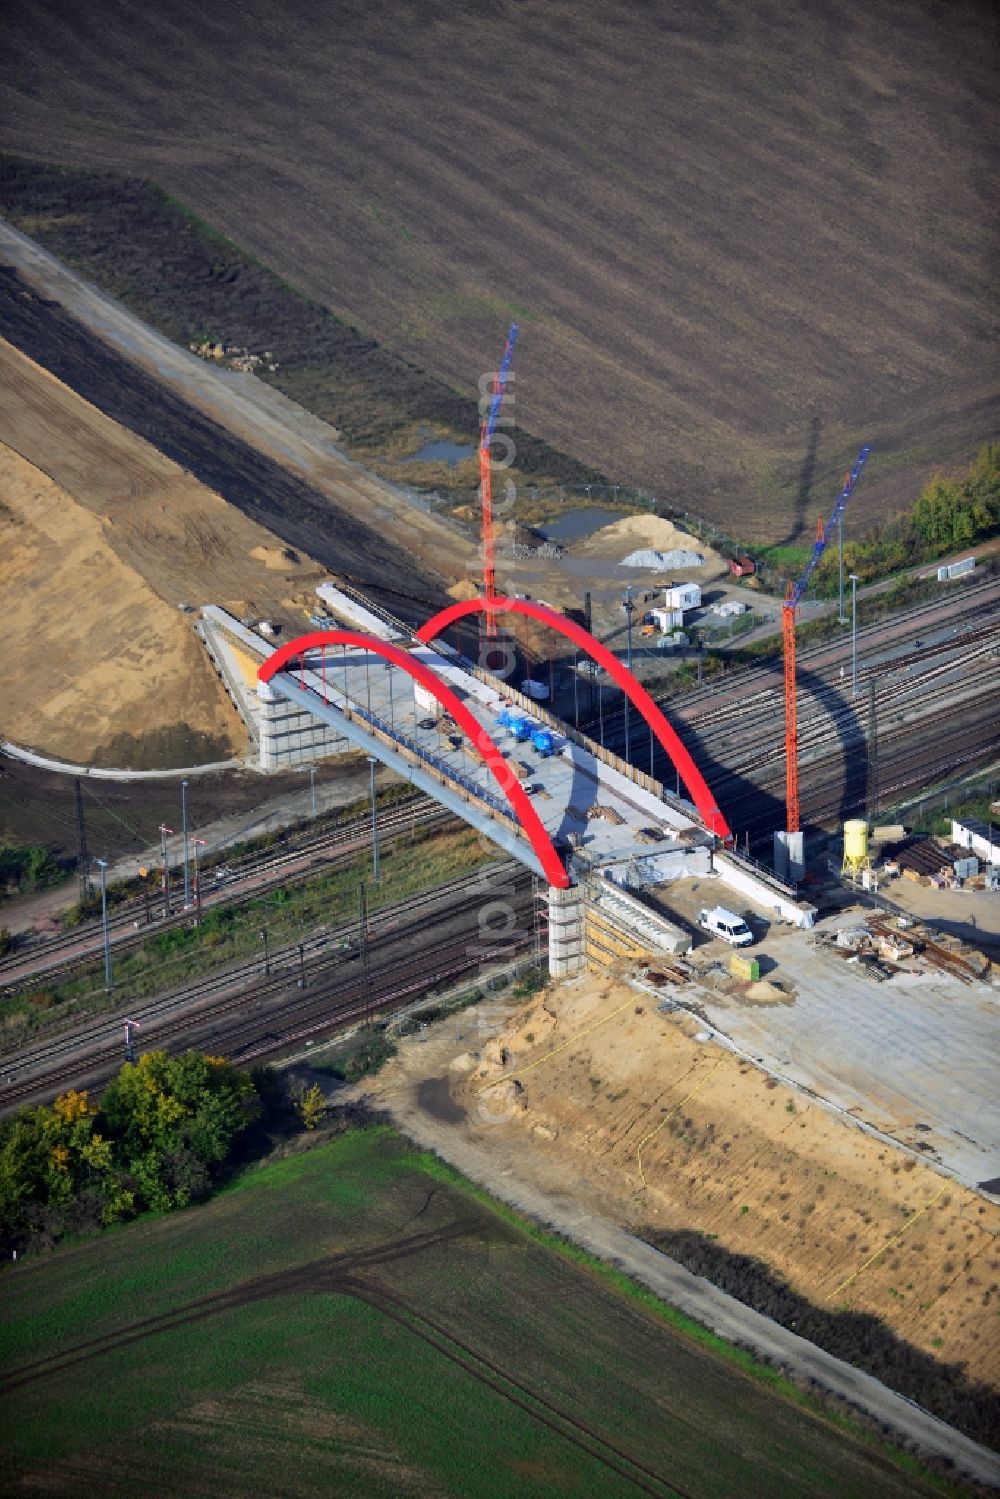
267	456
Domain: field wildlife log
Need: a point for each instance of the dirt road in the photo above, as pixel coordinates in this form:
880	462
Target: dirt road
416	1091
242	439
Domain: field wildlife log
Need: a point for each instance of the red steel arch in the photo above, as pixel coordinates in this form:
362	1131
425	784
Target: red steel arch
473	729
634	691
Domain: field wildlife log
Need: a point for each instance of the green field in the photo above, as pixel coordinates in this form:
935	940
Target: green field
357	1320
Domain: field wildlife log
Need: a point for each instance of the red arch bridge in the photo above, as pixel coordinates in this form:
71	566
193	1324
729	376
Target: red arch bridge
542	791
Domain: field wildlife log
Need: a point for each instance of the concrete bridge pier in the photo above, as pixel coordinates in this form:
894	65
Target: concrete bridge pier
566	952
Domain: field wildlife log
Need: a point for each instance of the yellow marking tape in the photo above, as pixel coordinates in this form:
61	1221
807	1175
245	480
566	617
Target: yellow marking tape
646	1138
889	1242
578	1037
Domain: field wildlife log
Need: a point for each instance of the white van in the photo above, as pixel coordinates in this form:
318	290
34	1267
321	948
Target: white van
725	924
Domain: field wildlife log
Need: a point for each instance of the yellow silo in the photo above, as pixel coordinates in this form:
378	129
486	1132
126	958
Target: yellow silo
855	846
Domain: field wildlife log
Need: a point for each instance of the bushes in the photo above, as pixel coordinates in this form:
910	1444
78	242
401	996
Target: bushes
164	1129
29	867
364	1054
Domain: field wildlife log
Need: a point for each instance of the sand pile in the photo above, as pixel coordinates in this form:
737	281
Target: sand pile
278	559
764	992
648	533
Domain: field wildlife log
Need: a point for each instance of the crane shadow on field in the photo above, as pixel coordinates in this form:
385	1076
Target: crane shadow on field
804	482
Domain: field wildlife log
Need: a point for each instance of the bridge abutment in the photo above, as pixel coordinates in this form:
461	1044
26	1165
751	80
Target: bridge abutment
289	735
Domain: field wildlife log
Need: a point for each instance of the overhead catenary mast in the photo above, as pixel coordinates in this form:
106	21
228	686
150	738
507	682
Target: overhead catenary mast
83	859
486	430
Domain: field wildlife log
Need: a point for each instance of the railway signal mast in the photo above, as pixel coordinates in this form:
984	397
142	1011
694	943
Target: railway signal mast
486	430
788	855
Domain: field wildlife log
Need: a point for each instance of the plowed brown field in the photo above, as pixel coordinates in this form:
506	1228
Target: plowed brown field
740	239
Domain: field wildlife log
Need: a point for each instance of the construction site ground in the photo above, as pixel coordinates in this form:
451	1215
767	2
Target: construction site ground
914	1056
972	915
105	539
625	1115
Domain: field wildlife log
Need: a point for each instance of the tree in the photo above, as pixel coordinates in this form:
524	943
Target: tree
174	1119
953	513
164	1127
52	1160
311	1106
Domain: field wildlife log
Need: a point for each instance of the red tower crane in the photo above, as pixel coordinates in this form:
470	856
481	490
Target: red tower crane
823	534
487	427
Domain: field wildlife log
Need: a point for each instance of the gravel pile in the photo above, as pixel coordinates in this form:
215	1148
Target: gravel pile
521	551
662	562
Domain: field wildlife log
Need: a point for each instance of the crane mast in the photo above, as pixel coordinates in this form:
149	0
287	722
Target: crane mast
823	535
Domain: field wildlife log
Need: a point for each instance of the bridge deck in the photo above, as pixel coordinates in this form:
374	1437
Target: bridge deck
582	802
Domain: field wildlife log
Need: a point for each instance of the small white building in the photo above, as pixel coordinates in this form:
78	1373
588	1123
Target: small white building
666	620
978	837
682	596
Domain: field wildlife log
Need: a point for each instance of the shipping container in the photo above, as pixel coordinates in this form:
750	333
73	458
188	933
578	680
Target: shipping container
682	596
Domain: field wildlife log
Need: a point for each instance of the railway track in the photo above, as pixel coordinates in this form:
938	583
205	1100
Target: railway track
977	601
249	877
836	718
414	946
933	713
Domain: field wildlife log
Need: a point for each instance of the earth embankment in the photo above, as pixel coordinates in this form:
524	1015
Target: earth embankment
104	538
682	1138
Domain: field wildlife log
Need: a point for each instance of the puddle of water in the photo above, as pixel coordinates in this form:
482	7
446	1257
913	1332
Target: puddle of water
578	522
434	1096
443	451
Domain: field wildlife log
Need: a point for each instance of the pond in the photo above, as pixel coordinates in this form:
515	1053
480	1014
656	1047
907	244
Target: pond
440	450
577	522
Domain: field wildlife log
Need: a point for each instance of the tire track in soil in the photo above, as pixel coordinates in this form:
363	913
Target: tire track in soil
579	1433
323	1275
338	1274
